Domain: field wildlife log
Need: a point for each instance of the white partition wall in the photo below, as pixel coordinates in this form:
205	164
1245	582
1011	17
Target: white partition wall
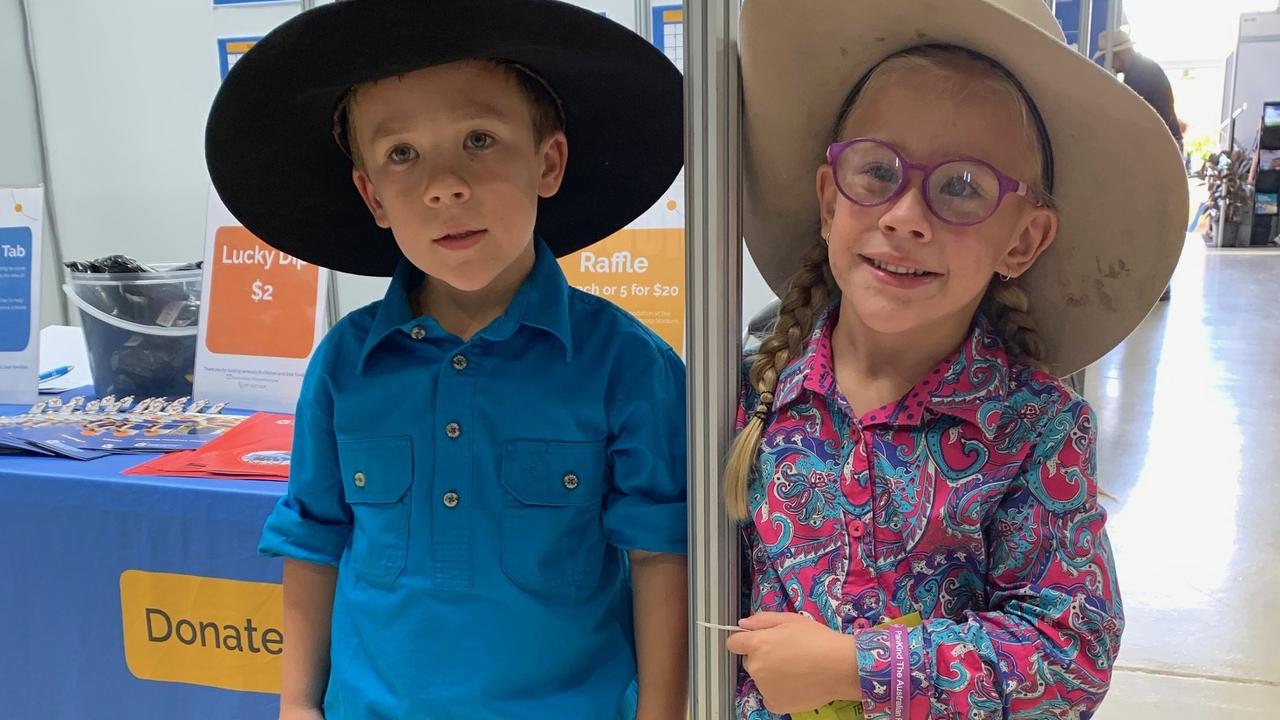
126	88
1256	78
21	163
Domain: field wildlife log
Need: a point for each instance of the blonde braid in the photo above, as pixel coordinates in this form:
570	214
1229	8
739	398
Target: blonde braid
808	294
1007	308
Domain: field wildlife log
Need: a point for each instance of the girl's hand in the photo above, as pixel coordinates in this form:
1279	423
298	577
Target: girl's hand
798	663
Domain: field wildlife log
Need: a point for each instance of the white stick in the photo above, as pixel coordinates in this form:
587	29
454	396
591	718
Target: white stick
713	626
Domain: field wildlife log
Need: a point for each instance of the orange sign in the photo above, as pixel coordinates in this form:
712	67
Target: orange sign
262	302
641	271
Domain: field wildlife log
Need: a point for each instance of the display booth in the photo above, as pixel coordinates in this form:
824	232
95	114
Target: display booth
143	595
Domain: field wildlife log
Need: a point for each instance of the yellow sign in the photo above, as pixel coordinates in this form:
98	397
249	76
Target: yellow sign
839	710
642	271
201	630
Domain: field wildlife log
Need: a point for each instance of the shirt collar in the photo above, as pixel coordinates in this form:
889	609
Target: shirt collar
541	302
813	370
971	384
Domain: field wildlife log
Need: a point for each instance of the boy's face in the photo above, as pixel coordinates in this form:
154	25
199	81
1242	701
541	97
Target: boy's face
449	162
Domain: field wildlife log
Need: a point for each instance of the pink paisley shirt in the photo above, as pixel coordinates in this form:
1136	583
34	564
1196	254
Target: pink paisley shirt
971	500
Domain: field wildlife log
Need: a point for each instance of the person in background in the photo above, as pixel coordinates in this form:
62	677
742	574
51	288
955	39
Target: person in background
1143	75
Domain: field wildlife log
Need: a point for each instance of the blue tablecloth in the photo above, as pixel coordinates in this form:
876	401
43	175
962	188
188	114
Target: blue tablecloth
68	530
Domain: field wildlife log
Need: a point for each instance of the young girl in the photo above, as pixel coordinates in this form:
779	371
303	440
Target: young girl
921	526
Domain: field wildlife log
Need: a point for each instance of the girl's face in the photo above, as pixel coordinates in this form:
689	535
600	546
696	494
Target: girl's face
938	273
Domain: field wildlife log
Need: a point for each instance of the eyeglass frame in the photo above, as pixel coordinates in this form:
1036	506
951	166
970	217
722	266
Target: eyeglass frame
1008	185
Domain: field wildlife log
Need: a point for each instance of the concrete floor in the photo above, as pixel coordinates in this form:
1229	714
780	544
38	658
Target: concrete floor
1189	445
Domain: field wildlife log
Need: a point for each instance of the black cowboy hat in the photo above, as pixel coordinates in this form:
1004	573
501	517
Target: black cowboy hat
271	152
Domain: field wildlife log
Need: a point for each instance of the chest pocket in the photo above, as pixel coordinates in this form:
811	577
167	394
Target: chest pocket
376	475
553	541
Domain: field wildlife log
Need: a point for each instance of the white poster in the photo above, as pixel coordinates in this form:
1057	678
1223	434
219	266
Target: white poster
263	313
21	222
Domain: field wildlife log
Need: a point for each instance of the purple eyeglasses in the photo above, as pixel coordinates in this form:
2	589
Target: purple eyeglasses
960	192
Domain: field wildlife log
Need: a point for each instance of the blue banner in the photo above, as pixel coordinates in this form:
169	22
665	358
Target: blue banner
15	288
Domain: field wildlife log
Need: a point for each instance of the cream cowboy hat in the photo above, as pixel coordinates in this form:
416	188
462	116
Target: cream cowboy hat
1118	40
1118	180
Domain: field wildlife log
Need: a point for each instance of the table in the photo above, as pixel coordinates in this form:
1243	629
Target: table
69	531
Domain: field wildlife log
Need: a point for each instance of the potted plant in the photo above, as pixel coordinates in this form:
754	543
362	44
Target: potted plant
1226	176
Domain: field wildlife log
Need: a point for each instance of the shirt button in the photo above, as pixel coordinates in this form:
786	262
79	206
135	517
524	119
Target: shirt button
861	624
417	333
857	528
359	479
451	499
571	481
453	430
459	362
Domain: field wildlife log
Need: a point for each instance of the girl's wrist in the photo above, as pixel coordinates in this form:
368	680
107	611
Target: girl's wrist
845	681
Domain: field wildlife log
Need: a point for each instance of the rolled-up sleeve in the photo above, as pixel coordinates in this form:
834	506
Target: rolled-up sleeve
646	508
1046	646
312	522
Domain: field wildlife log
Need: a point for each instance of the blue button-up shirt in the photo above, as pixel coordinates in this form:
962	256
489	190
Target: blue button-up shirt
478	499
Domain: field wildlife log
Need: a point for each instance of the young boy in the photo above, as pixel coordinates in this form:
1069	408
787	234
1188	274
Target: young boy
486	512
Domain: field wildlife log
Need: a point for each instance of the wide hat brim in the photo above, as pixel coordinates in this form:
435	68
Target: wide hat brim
1119	184
276	166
